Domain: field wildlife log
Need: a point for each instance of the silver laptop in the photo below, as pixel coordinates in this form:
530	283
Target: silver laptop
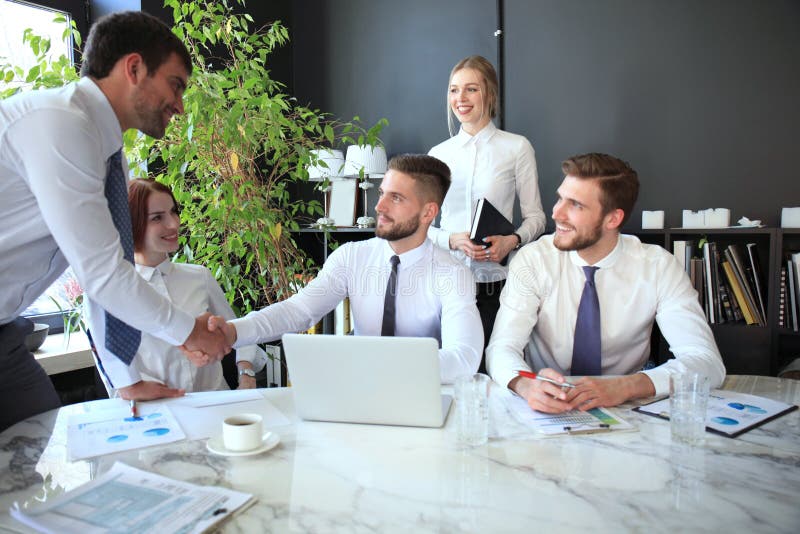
365	379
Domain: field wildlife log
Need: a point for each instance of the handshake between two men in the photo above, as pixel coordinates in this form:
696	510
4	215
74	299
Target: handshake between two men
216	327
207	343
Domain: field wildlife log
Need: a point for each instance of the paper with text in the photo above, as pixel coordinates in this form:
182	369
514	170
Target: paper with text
133	501
572	422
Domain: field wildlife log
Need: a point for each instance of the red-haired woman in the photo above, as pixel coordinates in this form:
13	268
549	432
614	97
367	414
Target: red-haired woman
192	288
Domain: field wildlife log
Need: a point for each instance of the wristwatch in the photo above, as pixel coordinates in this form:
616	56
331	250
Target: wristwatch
248	372
520	240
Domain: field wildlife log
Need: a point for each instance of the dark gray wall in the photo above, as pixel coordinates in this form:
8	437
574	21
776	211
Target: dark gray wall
385	58
263	13
701	96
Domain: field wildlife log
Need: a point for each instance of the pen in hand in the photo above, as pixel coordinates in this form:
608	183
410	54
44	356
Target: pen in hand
134	411
528	374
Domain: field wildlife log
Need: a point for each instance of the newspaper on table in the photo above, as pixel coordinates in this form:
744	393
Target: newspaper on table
129	500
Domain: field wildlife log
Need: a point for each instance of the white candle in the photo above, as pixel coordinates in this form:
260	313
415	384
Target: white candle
790	218
652	219
693	219
719	218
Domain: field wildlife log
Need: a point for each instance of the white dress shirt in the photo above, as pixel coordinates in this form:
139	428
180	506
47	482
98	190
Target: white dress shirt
54	148
193	289
497	165
435	298
636	284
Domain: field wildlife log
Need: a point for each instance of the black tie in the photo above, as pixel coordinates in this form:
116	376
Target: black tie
387	327
122	340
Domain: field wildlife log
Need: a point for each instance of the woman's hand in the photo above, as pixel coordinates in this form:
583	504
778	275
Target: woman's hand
245	381
500	246
462	242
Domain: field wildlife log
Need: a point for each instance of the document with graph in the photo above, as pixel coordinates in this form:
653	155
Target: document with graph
730	413
572	422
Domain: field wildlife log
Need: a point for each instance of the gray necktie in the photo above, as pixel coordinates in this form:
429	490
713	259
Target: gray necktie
387	327
586	347
122	340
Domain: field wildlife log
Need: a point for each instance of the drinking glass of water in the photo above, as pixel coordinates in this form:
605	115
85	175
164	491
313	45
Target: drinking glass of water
688	401
472	409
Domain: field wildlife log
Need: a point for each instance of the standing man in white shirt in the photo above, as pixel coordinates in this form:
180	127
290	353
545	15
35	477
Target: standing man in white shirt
63	201
582	301
434	293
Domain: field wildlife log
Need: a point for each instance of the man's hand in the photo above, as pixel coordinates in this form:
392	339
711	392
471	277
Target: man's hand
500	246
590	392
203	344
147	390
540	395
217	323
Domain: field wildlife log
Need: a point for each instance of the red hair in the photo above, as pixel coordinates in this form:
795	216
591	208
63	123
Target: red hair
139	190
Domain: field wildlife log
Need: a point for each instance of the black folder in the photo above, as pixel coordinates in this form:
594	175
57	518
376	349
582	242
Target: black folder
488	221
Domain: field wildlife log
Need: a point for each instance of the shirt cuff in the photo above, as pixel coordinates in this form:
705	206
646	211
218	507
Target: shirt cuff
505	376
252	354
660	379
118	374
246	332
441	238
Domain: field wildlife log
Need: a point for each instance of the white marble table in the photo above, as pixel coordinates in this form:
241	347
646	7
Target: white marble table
328	477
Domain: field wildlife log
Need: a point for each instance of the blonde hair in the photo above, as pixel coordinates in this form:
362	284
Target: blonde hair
489	86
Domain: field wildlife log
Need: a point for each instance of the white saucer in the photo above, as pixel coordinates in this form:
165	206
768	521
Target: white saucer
216	445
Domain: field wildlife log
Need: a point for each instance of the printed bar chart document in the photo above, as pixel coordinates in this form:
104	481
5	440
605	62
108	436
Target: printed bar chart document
133	501
572	422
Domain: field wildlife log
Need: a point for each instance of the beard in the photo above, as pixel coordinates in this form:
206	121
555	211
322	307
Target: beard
398	230
580	241
151	118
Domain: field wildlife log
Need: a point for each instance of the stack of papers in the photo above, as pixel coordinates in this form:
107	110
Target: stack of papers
572	422
133	501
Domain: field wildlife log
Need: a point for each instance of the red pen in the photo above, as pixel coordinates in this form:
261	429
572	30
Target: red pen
528	374
134	411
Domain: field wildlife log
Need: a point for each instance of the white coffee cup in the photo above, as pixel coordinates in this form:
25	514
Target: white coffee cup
242	432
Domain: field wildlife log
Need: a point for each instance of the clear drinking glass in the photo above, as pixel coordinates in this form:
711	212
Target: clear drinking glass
472	409
688	401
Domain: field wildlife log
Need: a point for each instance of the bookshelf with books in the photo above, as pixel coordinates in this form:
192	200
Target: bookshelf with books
733	270
787	302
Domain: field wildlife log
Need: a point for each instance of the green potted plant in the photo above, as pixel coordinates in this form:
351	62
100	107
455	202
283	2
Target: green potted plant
234	156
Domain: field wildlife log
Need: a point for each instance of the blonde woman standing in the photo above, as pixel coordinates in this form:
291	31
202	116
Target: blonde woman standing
485	162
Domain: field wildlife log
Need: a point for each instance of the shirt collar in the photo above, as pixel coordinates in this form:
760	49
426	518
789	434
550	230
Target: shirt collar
147	272
409	258
484	135
604	263
104	117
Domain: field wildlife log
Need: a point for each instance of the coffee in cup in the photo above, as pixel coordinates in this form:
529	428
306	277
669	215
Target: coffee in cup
242	432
